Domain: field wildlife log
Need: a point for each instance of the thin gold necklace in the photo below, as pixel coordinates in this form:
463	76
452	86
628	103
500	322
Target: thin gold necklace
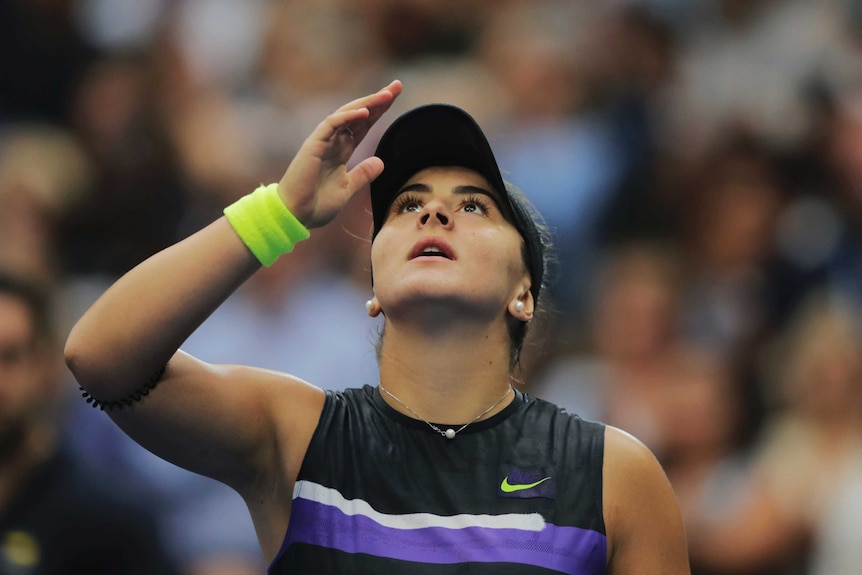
449	433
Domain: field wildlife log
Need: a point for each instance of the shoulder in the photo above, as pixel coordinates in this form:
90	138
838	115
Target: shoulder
632	477
544	415
341	410
545	407
644	525
349	399
624	453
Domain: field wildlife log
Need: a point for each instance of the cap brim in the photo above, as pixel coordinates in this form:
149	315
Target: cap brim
431	135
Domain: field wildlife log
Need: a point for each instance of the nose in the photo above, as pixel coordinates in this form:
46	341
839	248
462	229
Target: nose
434	212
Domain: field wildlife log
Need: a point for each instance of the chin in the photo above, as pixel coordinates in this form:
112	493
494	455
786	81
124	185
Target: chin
438	301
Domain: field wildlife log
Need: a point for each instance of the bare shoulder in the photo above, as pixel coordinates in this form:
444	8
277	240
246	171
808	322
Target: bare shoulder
642	518
624	455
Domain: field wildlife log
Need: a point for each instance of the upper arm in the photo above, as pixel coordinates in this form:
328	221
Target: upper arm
642	519
235	424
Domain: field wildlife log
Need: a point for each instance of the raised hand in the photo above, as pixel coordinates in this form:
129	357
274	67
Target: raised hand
317	183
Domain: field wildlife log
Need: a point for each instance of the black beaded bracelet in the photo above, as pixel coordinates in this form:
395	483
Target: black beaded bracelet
128	400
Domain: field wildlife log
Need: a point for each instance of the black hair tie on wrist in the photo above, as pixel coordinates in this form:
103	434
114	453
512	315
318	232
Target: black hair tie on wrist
129	399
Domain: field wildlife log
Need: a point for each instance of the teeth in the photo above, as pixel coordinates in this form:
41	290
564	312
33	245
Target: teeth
431	250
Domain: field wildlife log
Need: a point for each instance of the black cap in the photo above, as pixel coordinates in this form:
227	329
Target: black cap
445	135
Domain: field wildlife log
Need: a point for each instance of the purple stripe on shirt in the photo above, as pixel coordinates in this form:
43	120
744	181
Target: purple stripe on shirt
565	549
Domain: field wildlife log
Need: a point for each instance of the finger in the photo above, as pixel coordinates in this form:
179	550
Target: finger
374	115
358	120
395	87
389	93
387	97
365	172
339	121
376	111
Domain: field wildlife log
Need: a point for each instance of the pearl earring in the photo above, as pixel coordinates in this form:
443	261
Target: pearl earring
519	305
369	305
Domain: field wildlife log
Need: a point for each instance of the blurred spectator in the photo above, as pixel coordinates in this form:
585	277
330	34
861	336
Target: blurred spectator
557	147
43	173
299	78
808	456
748	63
56	516
708	429
216	152
636	58
135	204
220	39
623	375
734	202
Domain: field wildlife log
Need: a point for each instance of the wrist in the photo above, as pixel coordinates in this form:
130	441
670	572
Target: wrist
265	224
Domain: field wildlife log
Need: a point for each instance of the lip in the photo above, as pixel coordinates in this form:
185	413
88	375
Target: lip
432	242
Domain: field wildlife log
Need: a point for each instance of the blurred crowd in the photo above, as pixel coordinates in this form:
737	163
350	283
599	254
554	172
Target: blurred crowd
698	161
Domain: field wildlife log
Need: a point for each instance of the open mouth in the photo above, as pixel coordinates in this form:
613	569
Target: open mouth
432	248
432	251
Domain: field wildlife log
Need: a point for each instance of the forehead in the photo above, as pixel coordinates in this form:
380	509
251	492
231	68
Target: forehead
451	174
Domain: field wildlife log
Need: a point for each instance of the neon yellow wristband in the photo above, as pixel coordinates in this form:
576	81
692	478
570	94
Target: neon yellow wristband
265	224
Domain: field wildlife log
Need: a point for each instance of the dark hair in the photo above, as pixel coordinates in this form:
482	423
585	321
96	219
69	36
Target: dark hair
539	245
36	298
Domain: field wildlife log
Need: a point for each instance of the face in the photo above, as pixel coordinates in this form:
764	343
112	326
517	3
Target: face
21	372
446	240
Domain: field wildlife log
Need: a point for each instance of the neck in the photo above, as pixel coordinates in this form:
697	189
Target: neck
446	377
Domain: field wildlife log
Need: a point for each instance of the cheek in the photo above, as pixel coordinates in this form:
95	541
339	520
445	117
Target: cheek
380	256
498	256
510	254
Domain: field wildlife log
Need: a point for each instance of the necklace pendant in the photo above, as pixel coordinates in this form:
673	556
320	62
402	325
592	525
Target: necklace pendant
449	433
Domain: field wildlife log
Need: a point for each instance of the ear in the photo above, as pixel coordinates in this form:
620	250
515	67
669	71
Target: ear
373	307
522	306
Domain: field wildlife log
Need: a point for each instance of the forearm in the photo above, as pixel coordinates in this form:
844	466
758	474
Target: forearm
141	321
135	327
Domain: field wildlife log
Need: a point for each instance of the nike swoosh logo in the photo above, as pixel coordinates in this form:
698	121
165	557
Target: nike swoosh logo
507	487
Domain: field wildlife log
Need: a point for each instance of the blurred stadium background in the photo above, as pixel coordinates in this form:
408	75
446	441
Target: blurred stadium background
699	161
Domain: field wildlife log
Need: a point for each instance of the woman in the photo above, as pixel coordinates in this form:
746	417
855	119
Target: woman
366	480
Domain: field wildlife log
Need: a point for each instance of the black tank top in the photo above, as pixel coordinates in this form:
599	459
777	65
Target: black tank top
381	493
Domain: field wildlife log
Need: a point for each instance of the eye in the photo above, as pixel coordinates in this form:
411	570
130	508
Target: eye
475	204
407	202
